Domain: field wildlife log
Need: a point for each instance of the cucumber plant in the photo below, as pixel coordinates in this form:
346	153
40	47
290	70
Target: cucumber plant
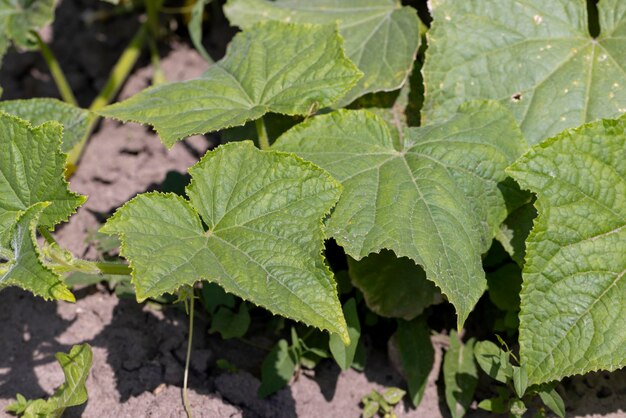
523	116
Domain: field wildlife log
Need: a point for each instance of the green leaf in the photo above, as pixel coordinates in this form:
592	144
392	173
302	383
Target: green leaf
435	201
553	400
277	369
264	240
493	360
504	286
536	57
393	287
495	405
459	375
24	266
520	380
416	355
344	354
370	409
31	171
271	67
393	395
572	317
213	297
195	27
76	121
76	365
381	36
514	231
231	324
19	17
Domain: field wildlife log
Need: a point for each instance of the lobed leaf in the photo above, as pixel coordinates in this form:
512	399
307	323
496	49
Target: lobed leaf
573	310
271	67
381	36
75	121
263	212
534	56
435	201
31	171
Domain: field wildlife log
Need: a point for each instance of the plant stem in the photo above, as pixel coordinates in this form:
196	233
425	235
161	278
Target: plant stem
110	267
158	76
264	142
152	7
187	360
57	73
46	235
118	76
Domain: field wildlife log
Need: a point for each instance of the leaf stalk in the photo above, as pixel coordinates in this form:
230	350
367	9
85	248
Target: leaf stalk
264	142
55	69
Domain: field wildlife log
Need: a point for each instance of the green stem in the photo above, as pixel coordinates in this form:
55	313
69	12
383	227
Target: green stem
113	268
46	235
187	360
264	142
158	76
118	76
57	73
152	9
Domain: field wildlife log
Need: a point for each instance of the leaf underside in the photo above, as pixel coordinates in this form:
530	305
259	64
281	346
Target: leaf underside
271	67
264	241
536	57
573	299
381	36
436	201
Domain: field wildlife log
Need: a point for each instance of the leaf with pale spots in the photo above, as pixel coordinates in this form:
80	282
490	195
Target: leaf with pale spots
535	56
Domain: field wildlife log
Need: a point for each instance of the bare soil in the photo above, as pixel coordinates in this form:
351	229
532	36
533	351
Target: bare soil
139	349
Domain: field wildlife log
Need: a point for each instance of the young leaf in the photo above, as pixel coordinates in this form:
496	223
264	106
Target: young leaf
231	324
271	67
520	380
264	240
572	317
536	57
277	369
195	28
31	171
459	375
553	400
493	360
24	266
393	395
344	354
76	365
393	287
75	121
416	354
19	17
382	36
435	201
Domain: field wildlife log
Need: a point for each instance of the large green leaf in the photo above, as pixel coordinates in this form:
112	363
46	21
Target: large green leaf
573	308
435	201
31	171
19	17
381	36
23	265
460	375
272	67
264	240
75	121
76	366
536	56
393	287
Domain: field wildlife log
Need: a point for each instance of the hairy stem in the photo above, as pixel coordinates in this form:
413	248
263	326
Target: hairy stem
261	132
118	76
57	73
187	360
